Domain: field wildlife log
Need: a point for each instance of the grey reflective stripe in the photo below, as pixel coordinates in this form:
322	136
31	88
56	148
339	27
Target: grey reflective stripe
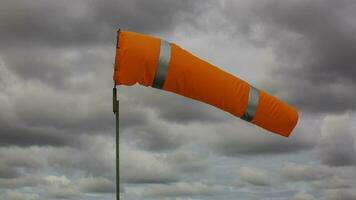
162	66
252	104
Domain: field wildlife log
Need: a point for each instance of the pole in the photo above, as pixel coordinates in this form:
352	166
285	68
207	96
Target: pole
117	137
116	112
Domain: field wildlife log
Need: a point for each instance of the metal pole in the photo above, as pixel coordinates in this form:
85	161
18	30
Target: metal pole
117	139
116	112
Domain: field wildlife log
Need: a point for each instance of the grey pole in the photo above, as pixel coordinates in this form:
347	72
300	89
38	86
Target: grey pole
116	112
115	107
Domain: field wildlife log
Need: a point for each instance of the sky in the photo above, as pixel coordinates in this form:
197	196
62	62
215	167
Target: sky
57	134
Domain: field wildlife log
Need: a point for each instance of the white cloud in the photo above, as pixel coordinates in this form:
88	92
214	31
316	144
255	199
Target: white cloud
255	176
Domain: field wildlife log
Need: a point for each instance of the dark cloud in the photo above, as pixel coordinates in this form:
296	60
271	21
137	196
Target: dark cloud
174	108
39	115
56	61
240	138
314	43
81	22
16	162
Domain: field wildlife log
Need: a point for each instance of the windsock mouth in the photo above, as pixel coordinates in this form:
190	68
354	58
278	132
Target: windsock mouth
117	63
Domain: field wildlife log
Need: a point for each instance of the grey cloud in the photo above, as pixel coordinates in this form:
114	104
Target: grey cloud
334	182
187	161
16	195
176	109
300	172
182	189
154	136
19	182
96	158
303	196
56	57
314	43
14	161
61	192
85	22
64	68
24	136
142	127
339	194
142	167
39	115
240	138
132	115
255	176
60	187
96	185
337	144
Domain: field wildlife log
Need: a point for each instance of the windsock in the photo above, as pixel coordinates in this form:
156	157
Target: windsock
154	62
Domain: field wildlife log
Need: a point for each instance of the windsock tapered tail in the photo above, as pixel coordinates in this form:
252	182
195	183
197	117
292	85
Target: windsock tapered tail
154	62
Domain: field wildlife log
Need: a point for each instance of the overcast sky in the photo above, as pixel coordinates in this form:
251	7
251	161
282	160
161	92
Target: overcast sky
57	125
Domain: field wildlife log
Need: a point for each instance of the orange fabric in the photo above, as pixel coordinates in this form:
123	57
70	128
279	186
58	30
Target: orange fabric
138	56
275	115
136	62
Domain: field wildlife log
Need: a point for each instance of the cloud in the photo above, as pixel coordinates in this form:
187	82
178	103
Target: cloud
96	158
339	194
186	161
313	43
61	192
50	117
155	135
177	109
303	196
337	144
96	185
240	138
334	182
254	176
14	161
19	182
55	100
301	172
15	195
182	189
73	23
142	167
60	187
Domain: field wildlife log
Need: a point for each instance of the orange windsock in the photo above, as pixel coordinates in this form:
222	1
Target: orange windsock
154	62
